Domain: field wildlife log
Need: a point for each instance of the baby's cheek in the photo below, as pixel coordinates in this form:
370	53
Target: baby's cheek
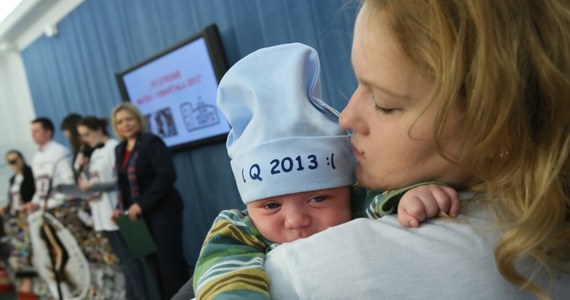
337	219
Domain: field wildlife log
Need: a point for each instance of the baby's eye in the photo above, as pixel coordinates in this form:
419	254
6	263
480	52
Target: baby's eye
272	205
318	199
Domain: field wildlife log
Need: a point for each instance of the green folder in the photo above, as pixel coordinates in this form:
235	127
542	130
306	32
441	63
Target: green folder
136	235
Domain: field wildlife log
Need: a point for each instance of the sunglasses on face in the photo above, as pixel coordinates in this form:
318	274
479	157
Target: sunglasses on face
13	161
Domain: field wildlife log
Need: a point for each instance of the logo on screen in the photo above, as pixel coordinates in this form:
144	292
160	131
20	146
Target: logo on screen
204	115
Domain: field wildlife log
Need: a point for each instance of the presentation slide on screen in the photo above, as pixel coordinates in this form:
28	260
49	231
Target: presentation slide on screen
176	94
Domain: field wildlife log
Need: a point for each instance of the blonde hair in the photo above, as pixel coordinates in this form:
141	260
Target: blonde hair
506	66
127	106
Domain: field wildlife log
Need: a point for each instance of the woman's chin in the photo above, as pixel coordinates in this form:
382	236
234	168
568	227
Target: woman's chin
363	178
371	181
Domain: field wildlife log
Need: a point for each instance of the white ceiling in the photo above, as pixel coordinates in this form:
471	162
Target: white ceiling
7	7
29	20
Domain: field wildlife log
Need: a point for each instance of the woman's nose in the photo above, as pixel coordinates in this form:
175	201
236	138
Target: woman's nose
350	118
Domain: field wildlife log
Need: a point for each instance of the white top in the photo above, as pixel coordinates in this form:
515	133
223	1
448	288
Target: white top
101	170
49	156
15	194
379	259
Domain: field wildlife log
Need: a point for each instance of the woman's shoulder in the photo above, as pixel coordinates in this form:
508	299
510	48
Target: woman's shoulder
12	178
380	257
112	143
107	149
28	172
147	138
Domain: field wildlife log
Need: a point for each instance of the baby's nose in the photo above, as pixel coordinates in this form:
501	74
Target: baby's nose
297	219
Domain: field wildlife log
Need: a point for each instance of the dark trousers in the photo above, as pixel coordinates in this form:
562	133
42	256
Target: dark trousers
168	263
133	268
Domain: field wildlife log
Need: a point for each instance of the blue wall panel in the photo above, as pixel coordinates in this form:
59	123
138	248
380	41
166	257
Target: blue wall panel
74	72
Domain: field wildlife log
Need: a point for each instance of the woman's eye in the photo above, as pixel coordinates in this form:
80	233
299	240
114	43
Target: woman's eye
318	199
379	108
383	110
272	205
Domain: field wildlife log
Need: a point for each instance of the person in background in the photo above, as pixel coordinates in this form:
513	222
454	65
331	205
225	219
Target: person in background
146	177
51	166
22	187
81	151
69	127
20	191
81	155
100	177
473	94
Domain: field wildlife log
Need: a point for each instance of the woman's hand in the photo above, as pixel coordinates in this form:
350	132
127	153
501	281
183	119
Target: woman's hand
80	161
134	211
30	207
84	185
115	214
22	208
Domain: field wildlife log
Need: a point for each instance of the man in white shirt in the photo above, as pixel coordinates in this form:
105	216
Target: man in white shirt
51	166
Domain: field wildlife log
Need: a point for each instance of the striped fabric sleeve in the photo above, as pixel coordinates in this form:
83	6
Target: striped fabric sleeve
231	262
381	203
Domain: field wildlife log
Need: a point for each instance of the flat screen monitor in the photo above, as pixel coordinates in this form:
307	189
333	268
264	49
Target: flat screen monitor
175	90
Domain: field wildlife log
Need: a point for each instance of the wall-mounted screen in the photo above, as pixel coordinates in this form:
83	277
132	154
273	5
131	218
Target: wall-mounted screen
176	90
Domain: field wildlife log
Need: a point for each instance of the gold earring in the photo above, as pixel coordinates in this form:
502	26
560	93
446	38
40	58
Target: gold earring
503	154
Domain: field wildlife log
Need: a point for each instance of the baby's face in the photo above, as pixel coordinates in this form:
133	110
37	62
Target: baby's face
290	217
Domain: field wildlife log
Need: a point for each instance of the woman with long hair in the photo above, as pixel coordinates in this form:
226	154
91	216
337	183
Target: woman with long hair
21	191
474	94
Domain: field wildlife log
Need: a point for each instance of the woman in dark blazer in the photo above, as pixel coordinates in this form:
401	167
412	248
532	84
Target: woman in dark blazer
146	177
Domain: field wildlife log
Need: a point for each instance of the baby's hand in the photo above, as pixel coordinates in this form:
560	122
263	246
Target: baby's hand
425	202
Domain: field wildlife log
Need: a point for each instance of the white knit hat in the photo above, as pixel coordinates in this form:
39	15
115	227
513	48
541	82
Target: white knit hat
284	138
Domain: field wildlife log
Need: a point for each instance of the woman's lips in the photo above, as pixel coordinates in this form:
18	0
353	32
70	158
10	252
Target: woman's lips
357	153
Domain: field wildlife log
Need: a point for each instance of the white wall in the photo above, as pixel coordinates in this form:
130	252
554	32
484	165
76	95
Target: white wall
16	112
28	22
